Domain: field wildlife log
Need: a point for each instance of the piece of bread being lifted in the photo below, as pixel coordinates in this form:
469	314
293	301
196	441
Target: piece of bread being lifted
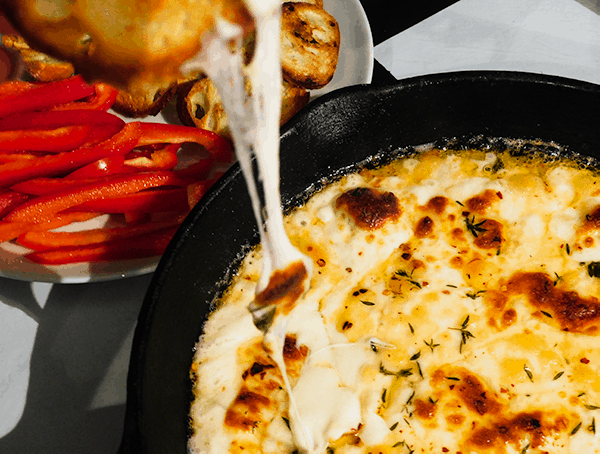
127	43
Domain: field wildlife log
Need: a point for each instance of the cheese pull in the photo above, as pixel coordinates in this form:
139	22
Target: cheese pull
279	298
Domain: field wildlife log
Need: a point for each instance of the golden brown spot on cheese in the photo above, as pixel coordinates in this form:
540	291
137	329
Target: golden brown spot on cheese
509	317
482	202
291	352
455	419
492	237
474	394
424	227
437	204
588	241
369	208
245	411
593	219
424	409
284	288
512	430
572	312
458	234
255	405
456	262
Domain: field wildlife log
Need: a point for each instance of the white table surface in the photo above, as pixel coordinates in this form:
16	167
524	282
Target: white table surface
64	349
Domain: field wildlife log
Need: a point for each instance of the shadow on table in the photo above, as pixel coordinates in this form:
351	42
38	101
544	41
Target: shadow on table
76	394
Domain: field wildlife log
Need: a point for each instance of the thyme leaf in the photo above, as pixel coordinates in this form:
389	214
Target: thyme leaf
408	277
400	373
576	428
557	376
475	294
592	426
367	303
415	356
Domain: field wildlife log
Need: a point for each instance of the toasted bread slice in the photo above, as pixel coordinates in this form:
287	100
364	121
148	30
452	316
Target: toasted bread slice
38	65
318	3
310	44
145	100
199	104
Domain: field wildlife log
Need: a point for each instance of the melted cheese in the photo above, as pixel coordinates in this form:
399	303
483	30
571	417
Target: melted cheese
456	325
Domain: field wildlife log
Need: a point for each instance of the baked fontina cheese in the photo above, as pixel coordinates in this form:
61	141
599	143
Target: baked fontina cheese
453	308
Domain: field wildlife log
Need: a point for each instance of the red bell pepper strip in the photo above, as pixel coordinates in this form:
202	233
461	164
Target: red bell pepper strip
45	96
153	201
198	171
165	159
11	230
17	156
15	87
9	200
56	140
130	248
44	240
137	218
104	167
58	118
47	186
196	191
121	143
103	99
218	147
45	208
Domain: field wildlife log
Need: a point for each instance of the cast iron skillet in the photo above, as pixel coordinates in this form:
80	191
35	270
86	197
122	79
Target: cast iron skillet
327	138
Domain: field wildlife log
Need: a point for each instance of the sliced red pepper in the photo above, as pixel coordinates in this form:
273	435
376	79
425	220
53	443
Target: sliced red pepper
44	240
198	171
11	230
137	218
154	201
196	191
45	96
130	248
103	125
120	144
165	159
44	208
103	99
219	148
17	156
47	186
9	200
56	140
15	87
104	167
58	118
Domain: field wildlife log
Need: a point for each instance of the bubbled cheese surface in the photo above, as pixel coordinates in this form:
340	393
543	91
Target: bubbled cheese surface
463	319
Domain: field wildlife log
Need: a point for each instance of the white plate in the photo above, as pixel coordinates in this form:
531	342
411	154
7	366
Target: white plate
355	66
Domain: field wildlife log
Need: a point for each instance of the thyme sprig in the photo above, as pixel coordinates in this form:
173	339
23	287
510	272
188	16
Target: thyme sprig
408	277
431	345
464	334
475	228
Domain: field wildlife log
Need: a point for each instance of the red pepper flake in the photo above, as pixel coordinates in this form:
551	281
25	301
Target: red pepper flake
584	360
445	450
499	194
347	325
321	263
